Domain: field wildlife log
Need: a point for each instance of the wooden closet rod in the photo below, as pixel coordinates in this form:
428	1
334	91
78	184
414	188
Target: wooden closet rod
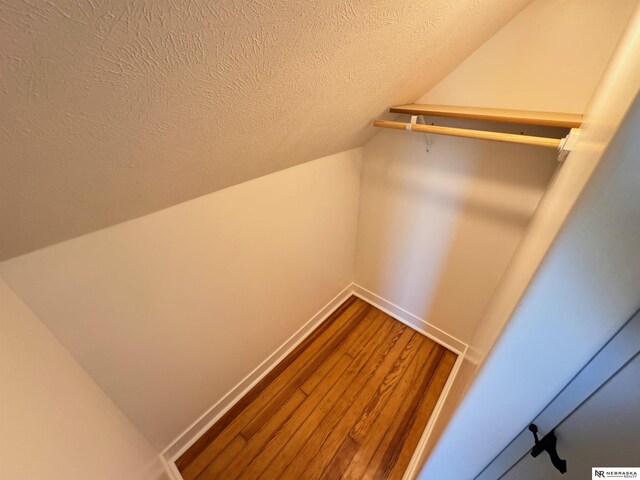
465	132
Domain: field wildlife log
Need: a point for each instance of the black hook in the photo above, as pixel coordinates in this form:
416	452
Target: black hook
548	444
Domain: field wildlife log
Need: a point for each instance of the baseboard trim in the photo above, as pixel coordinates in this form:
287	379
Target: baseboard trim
172	472
202	424
157	469
409	319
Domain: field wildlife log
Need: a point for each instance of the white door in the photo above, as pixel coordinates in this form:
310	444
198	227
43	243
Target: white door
596	419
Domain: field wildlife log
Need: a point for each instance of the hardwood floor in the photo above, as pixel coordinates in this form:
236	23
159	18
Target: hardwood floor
351	401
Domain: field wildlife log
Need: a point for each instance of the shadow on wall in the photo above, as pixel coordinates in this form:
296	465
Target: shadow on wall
438	227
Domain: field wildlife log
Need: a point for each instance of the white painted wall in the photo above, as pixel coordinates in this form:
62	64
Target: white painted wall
55	422
437	229
560	311
168	312
550	57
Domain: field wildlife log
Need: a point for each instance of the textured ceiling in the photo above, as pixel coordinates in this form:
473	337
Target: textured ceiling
110	110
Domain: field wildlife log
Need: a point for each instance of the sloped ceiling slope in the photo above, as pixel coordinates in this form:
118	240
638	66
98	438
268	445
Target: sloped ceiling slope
114	109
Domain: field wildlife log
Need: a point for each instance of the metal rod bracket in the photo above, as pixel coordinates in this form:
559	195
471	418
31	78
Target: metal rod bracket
414	121
568	143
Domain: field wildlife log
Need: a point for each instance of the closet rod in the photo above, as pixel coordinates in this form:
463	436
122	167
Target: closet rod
465	132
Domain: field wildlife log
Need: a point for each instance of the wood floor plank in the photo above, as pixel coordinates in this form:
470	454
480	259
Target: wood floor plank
424	413
410	361
379	399
391	410
250	406
421	371
262	449
268	429
296	435
341	459
231	451
351	401
326	439
299	377
387	454
363	331
376	319
315	337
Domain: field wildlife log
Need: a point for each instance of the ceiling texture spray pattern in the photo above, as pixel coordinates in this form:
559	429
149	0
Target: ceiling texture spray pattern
110	110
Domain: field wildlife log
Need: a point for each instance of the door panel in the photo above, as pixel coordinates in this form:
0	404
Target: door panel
609	411
603	431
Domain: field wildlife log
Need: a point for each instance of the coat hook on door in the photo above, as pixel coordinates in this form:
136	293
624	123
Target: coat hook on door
548	444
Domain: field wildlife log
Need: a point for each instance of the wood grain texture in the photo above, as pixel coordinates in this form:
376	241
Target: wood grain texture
255	460
398	432
300	376
351	401
380	398
394	409
231	451
423	412
306	437
525	117
198	456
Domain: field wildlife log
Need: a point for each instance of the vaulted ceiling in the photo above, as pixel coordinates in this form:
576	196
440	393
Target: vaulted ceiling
110	110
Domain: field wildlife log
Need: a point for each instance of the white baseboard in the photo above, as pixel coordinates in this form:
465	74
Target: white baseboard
409	319
158	469
202	424
171	471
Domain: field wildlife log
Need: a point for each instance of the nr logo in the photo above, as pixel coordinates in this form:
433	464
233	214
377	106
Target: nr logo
599	473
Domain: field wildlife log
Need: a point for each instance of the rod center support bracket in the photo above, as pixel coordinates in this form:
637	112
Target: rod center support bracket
414	121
